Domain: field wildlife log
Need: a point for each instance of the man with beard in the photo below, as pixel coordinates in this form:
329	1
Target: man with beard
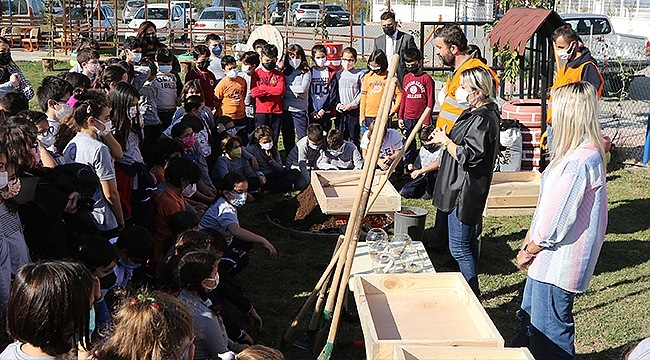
394	42
453	51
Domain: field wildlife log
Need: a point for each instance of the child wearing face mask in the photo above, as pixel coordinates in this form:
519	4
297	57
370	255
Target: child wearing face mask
222	217
53	95
89	60
165	84
91	116
134	246
372	88
231	160
278	180
297	78
323	91
340	154
250	61
305	155
192	88
213	41
349	81
205	77
230	95
267	87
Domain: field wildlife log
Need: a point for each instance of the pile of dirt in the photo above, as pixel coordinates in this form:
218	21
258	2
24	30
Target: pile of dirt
407	212
302	213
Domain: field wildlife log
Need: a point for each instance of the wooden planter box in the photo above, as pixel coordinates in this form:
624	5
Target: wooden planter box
461	353
335	192
420	309
513	193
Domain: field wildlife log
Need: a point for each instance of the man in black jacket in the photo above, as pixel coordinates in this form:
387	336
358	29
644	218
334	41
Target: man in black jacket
394	42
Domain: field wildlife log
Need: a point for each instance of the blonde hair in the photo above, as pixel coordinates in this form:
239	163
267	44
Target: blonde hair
575	120
148	325
479	79
259	352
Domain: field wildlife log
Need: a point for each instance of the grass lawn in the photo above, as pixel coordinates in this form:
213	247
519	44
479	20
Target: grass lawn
614	312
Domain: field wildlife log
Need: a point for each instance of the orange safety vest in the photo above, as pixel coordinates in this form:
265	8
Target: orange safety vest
568	75
450	109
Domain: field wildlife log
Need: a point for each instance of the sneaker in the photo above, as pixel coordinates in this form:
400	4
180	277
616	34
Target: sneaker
426	196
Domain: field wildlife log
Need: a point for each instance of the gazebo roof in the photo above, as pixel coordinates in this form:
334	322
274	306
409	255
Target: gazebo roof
518	25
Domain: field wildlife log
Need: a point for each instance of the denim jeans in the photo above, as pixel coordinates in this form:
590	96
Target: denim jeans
463	246
412	151
348	123
547	327
293	123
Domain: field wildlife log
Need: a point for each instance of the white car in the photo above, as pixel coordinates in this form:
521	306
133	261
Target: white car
212	18
185	5
160	16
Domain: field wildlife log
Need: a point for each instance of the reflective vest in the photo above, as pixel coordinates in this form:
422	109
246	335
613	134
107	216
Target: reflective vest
568	75
450	109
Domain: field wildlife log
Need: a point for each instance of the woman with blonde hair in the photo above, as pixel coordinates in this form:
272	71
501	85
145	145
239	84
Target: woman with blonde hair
568	229
149	325
465	173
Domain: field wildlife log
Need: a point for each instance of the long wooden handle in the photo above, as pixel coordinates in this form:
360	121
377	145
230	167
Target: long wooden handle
384	179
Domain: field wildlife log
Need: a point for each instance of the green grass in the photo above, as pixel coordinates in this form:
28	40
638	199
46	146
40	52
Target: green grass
614	312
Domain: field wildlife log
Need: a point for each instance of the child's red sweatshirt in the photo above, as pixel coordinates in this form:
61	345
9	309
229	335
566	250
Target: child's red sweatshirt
267	88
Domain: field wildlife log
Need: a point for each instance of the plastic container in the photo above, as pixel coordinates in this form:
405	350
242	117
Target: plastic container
410	224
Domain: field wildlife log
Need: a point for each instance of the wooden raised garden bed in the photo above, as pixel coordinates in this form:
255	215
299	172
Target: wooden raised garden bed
513	193
420	309
335	192
460	353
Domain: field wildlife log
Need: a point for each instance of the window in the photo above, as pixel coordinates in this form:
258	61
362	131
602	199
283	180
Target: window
218	15
154	13
584	26
310	7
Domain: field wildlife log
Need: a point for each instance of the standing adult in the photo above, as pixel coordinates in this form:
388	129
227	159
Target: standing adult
151	44
568	229
394	41
466	164
575	63
11	78
453	51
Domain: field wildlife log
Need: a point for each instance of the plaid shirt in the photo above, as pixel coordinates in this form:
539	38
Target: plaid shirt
25	87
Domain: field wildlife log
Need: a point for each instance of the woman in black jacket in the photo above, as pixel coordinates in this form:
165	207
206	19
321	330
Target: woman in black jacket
466	166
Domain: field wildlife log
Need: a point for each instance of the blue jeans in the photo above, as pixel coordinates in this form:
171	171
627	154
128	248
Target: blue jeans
412	151
348	123
547	327
463	246
293	123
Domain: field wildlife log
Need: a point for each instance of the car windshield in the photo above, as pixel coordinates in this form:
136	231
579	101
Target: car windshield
218	15
310	6
154	13
135	4
334	8
584	26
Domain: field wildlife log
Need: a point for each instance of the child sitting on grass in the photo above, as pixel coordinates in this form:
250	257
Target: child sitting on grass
340	154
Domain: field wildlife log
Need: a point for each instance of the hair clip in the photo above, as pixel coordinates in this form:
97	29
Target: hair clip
141	298
89	110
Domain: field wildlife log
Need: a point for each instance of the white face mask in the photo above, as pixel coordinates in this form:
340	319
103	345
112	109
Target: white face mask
4	179
320	62
65	111
165	69
136	57
46	140
108	128
245	69
461	97
295	63
565	54
347	64
216	283
267	146
232	73
133	112
189	190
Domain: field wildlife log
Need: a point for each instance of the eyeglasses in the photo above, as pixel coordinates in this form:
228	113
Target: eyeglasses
48	131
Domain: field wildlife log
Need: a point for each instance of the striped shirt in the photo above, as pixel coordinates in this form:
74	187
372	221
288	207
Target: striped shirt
570	221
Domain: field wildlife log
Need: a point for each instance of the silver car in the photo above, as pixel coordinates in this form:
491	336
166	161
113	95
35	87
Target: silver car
306	13
212	20
130	8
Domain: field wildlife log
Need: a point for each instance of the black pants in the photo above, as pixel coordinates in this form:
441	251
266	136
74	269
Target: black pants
348	123
417	187
166	117
236	258
271	120
281	181
245	128
151	135
411	152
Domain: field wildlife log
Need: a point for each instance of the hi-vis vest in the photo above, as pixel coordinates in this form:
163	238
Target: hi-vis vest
450	109
568	75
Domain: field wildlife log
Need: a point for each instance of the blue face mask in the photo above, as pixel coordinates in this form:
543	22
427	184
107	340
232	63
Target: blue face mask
217	50
239	199
131	266
91	323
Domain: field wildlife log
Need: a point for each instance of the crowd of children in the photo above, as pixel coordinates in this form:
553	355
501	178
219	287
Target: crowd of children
140	179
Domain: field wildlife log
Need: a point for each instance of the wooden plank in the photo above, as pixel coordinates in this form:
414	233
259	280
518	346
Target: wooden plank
392	308
513	201
513	193
414	352
519	211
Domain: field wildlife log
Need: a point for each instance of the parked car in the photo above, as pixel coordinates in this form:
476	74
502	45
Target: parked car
104	23
276	12
159	15
229	3
31	8
185	5
130	8
305	13
212	18
336	15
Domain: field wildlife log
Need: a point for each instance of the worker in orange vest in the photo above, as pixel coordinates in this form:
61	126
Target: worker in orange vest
574	63
453	51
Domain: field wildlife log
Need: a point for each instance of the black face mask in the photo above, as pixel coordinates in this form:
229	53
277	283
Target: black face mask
413	69
5	58
150	38
269	65
429	147
203	65
389	30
